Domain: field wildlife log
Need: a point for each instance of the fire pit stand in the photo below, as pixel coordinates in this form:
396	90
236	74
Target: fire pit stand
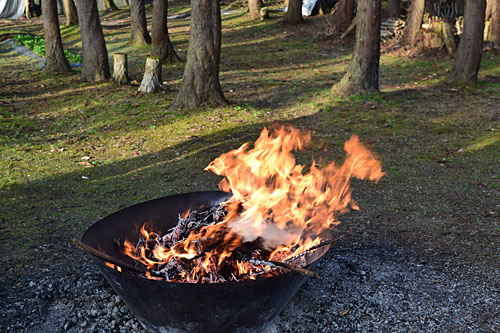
160	306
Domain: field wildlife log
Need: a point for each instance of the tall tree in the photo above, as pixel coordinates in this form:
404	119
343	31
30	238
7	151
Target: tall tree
254	7
94	53
494	35
362	74
394	8
71	13
138	29
161	46
55	61
200	83
414	21
294	12
470	47
342	17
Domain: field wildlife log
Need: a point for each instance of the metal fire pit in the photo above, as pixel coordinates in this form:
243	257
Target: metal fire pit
248	306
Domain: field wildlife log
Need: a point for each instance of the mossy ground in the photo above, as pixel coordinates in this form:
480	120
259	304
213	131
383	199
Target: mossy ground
73	152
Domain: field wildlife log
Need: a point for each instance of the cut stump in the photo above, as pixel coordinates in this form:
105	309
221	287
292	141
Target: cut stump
151	81
120	69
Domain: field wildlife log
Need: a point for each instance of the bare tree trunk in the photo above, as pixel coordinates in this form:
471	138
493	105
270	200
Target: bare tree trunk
342	18
138	30
494	35
27	10
151	81
94	53
60	7
55	61
254	7
470	47
200	83
109	4
362	74
294	13
394	8
120	69
414	22
161	46
71	13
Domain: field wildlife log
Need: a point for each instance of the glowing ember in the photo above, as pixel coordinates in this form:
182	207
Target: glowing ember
277	211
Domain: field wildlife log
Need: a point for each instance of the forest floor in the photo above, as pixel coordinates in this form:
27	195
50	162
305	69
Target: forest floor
73	152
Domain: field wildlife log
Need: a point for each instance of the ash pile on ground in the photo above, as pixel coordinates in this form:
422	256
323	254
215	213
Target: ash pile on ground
364	287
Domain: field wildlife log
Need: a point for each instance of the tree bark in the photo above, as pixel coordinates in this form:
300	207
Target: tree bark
254	7
342	18
394	8
94	53
494	35
294	13
27	9
71	13
120	69
470	47
60	7
362	75
448	38
138	30
200	83
161	46
109	4
151	81
414	22
55	60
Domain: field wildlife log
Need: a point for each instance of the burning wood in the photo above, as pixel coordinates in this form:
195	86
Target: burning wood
276	214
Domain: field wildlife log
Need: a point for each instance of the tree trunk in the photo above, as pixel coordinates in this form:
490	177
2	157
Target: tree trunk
71	13
161	46
394	8
27	10
120	69
60	7
138	30
448	38
109	4
254	7
494	35
362	74
414	22
466	66
151	81
294	13
342	18
55	61
95	56
200	83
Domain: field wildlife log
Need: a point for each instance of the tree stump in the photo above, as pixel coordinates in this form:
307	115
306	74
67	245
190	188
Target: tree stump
120	69
151	81
448	38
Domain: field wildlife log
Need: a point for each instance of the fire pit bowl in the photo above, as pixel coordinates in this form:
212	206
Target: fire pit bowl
160	306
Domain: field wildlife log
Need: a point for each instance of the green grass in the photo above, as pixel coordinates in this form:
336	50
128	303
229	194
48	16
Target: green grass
439	145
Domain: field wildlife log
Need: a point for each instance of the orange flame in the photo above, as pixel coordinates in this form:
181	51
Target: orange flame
273	198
